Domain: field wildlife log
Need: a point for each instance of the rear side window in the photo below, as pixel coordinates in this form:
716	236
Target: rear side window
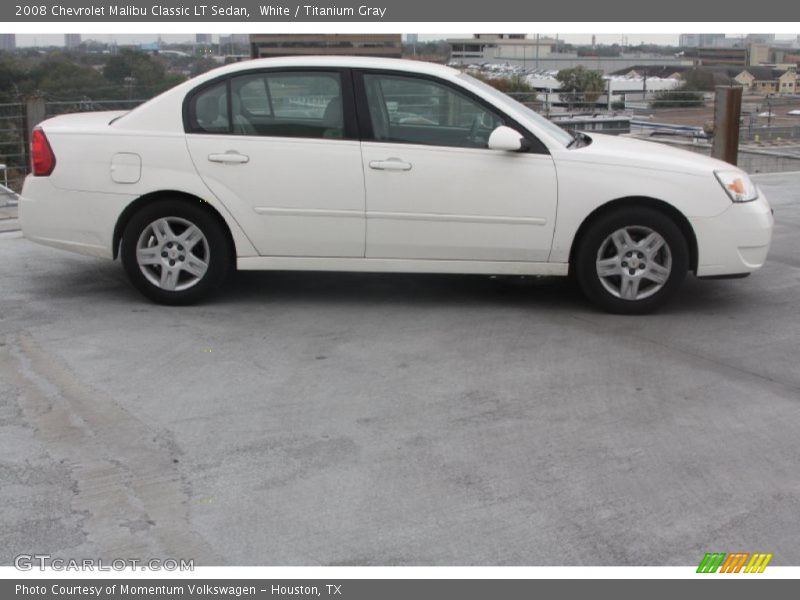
208	110
302	104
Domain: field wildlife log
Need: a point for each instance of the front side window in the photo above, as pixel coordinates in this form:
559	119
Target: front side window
280	104
548	126
420	111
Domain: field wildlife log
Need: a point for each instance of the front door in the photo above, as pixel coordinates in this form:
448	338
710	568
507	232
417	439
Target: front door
433	188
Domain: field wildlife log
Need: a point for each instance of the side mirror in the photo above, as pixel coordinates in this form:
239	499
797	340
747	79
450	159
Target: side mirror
505	138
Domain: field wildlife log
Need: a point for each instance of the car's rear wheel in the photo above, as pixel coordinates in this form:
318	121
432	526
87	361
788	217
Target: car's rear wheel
175	252
631	260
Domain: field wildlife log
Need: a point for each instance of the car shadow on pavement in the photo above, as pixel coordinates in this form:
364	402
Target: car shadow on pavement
400	288
106	281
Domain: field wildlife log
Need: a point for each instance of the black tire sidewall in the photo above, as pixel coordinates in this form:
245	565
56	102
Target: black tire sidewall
586	257
219	249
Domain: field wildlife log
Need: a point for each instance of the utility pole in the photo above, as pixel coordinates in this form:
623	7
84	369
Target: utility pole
769	112
727	111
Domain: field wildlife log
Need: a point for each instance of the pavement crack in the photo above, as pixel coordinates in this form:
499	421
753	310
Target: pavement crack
133	499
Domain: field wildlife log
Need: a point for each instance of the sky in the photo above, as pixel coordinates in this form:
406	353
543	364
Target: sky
24	40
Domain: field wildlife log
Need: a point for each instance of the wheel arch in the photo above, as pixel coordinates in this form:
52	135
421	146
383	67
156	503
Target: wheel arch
638	201
153	197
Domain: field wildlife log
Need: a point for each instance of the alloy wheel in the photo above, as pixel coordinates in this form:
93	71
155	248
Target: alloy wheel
634	262
173	253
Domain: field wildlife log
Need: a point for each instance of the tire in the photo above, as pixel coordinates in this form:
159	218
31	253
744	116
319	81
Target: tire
642	255
175	252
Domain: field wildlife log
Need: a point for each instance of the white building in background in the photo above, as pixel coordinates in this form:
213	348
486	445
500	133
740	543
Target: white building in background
539	52
234	39
500	48
624	88
8	41
72	40
704	40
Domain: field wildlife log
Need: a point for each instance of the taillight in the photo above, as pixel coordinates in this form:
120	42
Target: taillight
43	161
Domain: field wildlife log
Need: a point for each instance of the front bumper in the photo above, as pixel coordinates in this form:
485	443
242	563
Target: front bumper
736	241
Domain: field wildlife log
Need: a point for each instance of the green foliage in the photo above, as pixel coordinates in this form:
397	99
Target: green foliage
680	98
603	50
12	72
64	75
143	68
580	86
59	76
515	85
200	66
698	79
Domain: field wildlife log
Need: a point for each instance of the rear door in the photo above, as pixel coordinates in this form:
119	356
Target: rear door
279	148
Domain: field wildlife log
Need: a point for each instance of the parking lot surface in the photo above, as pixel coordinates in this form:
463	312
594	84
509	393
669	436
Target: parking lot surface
357	419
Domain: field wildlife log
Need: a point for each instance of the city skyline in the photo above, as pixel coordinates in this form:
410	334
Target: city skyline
48	39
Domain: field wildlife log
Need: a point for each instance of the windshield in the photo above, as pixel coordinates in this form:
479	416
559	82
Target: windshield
551	128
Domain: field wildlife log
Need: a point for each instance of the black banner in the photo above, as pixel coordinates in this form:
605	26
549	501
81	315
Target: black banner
716	586
395	11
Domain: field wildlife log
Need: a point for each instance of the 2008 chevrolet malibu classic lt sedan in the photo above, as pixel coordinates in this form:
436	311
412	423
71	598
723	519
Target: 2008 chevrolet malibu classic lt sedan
383	165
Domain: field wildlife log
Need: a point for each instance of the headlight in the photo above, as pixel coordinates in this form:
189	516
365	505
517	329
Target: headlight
737	185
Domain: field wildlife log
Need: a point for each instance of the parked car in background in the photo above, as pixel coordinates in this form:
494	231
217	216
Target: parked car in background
357	164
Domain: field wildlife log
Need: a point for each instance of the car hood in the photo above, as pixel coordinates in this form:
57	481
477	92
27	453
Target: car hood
629	152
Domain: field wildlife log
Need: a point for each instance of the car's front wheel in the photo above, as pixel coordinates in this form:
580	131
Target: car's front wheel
175	252
631	260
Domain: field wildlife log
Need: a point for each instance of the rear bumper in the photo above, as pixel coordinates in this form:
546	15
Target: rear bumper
77	221
735	242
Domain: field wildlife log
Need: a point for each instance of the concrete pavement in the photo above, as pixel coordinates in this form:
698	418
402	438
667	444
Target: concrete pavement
397	419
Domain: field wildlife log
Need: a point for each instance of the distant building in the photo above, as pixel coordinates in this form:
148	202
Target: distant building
715	57
543	53
759	38
228	43
510	48
8	41
696	40
263	45
759	54
203	39
72	40
792	59
662	72
766	80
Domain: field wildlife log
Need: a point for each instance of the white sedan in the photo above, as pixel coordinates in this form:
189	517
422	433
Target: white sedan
357	164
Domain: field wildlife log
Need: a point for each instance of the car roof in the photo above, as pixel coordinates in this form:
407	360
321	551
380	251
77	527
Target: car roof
354	62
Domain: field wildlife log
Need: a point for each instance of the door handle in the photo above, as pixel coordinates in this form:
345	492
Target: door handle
390	164
229	157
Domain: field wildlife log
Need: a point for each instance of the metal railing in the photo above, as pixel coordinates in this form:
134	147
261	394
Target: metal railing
13	146
770	133
61	107
15	126
766	120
